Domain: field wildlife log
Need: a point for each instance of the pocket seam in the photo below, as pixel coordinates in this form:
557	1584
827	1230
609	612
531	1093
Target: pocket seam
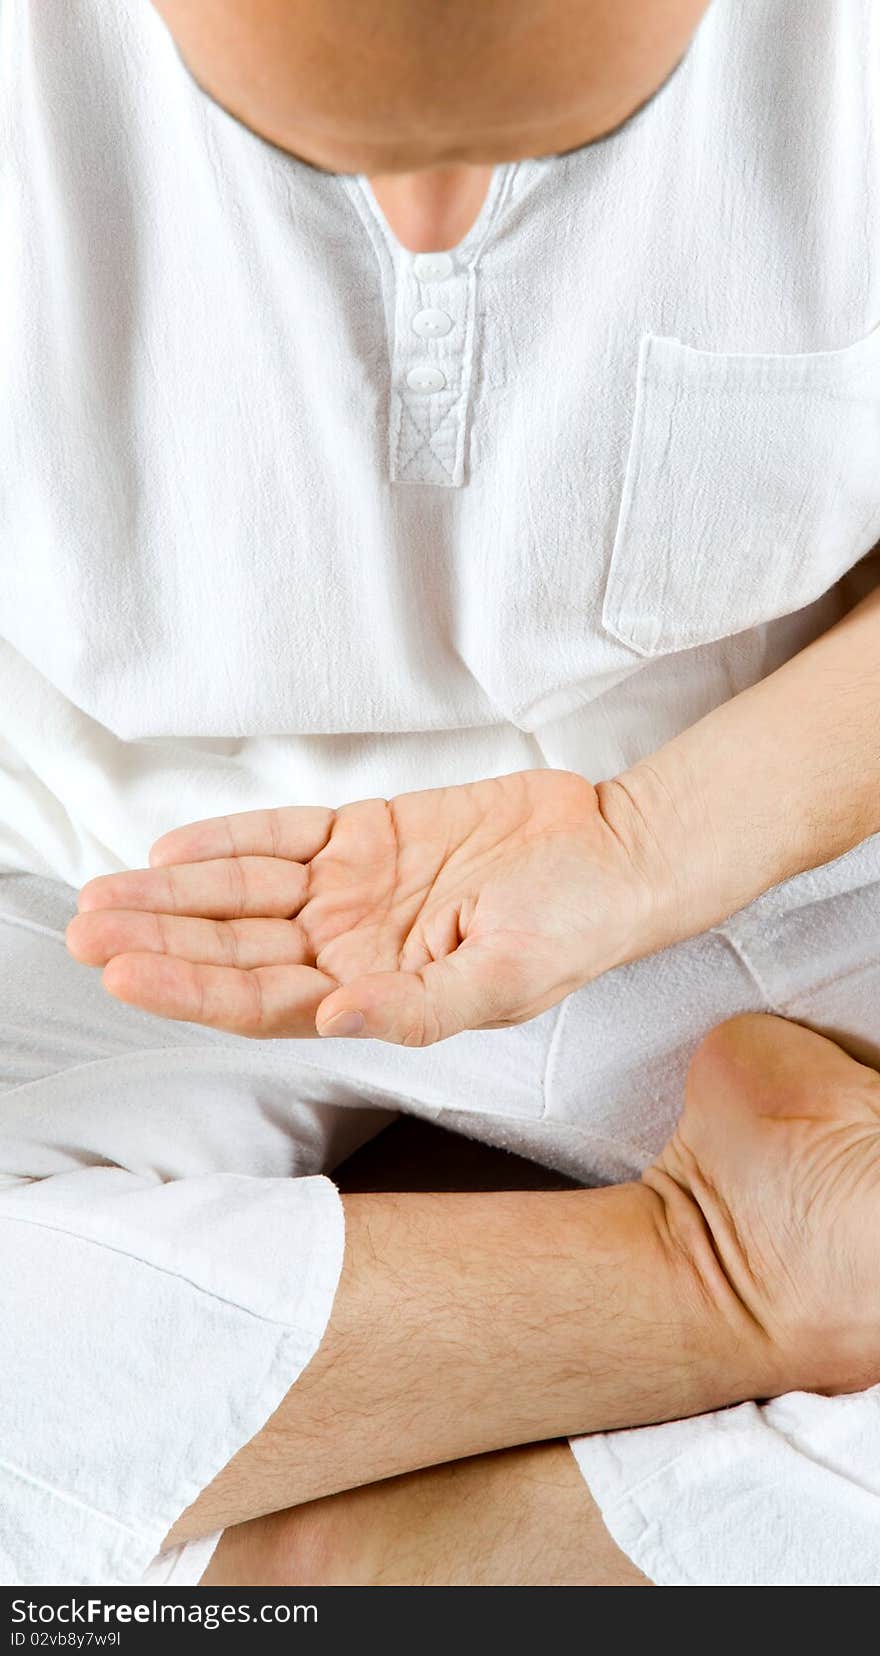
630	478
746	376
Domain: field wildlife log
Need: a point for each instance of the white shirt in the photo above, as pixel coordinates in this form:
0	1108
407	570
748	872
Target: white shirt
244	562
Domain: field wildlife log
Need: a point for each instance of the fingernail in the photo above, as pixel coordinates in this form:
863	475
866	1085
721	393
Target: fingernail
344	1023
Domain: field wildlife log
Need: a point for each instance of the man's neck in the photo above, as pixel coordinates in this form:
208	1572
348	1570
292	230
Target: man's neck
433	209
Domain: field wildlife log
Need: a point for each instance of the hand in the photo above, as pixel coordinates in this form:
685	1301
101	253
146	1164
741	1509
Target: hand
468	907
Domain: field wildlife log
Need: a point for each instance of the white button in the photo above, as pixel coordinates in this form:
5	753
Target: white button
432	267
431	324
425	378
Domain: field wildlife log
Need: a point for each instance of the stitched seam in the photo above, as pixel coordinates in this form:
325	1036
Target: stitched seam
67	1499
413	430
552	1050
34	926
427	439
67	1071
222	1054
792	1002
425	444
752	970
150	1265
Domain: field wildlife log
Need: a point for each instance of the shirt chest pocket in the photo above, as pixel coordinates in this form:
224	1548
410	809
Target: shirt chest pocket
752	485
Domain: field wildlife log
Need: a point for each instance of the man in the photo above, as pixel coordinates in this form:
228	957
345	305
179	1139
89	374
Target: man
414	417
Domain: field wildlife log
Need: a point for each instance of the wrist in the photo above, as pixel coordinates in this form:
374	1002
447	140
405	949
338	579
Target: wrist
692	874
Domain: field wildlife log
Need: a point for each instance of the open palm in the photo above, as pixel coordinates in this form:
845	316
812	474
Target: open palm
465	907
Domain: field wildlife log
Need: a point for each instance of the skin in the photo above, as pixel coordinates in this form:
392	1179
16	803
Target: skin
447	908
478	907
520	1517
758	1286
524	1518
425	100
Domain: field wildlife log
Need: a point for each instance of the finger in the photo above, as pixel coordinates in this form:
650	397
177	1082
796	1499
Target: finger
295	832
228	888
266	1002
96	936
470	988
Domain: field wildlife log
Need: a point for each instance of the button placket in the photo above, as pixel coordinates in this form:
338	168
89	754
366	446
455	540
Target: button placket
431	369
433	267
432	323
427	428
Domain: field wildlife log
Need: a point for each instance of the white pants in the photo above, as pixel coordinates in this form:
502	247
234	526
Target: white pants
170	1246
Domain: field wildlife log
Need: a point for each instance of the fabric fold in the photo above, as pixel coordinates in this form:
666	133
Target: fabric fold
89	1490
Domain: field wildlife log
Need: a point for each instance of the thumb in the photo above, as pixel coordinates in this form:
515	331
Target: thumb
467	989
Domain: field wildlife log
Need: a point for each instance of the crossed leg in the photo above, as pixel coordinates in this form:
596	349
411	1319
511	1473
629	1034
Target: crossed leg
421	1363
763	1094
518	1517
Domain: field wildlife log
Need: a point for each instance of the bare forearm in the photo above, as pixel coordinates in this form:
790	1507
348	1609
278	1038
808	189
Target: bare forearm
781	778
466	1323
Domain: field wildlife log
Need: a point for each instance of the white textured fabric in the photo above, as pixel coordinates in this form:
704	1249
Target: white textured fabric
242	564
168	1171
169	1254
785	1494
182	1566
